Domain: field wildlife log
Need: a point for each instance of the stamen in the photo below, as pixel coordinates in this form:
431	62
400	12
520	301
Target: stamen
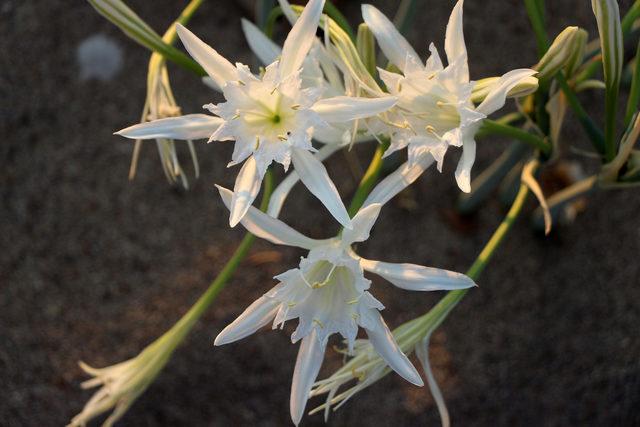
296	106
325	282
319	323
432	131
282	137
257	143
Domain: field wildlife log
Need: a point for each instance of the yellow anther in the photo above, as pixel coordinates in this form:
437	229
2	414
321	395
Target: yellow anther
319	323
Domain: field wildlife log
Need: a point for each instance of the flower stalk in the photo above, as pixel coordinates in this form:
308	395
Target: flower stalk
124	382
367	368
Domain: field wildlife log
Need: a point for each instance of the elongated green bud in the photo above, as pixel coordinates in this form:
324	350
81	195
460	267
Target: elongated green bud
610	29
483	86
366	45
566	50
608	18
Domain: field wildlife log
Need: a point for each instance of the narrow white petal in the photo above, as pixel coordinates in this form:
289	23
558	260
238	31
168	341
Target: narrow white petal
218	68
300	38
262	46
454	41
422	351
257	315
413	277
187	127
268	228
383	342
314	176
340	109
397	181
362	224
281	192
395	47
463	171
305	373
246	189
497	95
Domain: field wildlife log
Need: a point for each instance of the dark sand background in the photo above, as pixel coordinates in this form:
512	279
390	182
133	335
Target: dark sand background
94	267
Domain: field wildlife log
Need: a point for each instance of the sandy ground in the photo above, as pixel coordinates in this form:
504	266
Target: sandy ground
94	267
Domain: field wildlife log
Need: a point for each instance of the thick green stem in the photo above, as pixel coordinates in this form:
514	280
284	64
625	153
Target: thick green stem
593	131
630	18
536	18
184	325
368	180
497	128
439	312
634	93
133	26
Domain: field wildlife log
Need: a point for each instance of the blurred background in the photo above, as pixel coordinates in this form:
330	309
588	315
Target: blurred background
94	267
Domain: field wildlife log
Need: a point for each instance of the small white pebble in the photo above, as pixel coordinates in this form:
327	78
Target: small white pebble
99	58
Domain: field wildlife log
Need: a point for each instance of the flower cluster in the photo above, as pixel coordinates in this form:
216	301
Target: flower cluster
311	90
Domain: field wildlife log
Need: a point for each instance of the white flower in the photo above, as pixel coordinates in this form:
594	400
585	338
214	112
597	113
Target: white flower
434	109
121	384
272	117
328	293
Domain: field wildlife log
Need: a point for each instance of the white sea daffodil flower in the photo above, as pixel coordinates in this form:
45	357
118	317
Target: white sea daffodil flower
271	117
328	293
434	109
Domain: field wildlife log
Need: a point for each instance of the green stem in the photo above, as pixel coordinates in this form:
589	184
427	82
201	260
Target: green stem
592	130
334	13
630	18
537	23
634	93
497	128
440	311
368	180
405	15
133	26
184	325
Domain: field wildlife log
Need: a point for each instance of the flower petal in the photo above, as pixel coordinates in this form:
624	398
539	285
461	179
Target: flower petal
262	46
245	190
308	365
300	38
314	176
413	277
383	342
187	127
397	181
268	228
497	95
341	109
394	46
362	224
454	42
281	192
463	171
257	315
218	68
